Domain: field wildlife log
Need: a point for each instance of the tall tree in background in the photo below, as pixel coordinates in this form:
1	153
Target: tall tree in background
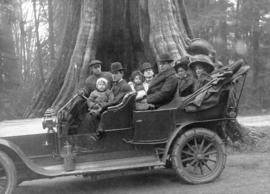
39	58
127	31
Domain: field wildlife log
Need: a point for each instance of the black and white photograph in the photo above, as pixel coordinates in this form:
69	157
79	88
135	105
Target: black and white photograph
134	96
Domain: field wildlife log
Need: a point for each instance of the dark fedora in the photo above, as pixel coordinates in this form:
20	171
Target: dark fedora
183	63
204	60
116	66
94	62
145	66
165	58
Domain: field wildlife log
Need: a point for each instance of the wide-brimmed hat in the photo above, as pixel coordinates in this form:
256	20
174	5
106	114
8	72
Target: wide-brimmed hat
94	62
165	58
145	66
183	63
200	46
116	66
204	60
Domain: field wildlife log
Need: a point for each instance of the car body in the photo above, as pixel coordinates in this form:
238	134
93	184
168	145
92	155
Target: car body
192	143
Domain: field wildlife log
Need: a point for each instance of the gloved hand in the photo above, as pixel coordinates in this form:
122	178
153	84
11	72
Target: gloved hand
81	92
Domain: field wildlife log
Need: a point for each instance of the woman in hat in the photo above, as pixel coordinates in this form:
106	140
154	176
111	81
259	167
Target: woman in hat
148	73
202	66
185	80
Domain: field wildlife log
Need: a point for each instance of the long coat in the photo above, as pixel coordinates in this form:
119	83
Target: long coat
186	85
200	82
162	88
119	90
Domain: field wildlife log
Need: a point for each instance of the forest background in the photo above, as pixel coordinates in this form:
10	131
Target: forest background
32	39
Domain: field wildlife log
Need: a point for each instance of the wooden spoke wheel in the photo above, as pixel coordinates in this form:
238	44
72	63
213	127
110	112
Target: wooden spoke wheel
199	156
8	176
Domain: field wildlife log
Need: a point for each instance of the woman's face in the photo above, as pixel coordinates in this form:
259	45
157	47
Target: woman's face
137	79
148	73
199	70
181	72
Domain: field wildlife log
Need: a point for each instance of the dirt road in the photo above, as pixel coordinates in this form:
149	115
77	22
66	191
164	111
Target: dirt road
247	172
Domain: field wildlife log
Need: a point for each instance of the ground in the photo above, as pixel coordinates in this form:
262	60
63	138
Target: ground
247	172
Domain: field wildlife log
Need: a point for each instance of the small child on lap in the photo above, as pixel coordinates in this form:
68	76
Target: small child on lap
99	97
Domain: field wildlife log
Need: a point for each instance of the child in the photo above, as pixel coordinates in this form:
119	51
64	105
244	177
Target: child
202	67
99	97
136	84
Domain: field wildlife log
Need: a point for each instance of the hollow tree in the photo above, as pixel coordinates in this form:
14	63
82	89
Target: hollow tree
128	31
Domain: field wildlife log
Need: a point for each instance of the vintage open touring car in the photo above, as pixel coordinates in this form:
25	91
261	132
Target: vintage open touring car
189	139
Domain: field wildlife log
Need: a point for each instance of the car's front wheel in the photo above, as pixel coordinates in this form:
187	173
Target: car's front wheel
8	177
198	156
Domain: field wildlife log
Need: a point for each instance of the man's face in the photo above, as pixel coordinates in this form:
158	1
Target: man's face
96	69
117	75
148	73
164	65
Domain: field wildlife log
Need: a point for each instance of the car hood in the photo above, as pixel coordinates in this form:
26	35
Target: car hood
21	127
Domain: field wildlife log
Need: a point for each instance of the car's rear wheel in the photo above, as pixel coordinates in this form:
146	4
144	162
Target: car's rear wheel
8	177
198	156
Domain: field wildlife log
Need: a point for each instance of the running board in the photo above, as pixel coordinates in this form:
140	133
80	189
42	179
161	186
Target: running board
103	166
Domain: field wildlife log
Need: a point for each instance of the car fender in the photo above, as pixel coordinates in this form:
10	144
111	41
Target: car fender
182	127
16	154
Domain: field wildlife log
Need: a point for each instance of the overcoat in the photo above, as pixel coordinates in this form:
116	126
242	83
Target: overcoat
186	85
119	90
162	88
200	82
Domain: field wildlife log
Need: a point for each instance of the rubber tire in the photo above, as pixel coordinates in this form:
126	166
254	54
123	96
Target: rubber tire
180	143
10	169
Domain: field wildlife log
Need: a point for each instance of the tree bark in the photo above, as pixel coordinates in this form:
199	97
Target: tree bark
128	31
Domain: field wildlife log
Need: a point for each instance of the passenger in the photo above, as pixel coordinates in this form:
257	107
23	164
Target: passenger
136	81
185	80
202	67
99	97
96	72
148	73
120	86
79	107
136	84
163	85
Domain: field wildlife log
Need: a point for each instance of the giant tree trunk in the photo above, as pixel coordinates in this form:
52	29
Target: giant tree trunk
128	31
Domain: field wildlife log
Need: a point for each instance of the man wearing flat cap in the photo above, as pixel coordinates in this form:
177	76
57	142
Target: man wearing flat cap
79	107
163	86
96	73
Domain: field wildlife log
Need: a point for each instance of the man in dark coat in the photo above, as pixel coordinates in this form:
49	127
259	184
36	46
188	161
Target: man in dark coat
90	82
79	107
120	86
163	86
